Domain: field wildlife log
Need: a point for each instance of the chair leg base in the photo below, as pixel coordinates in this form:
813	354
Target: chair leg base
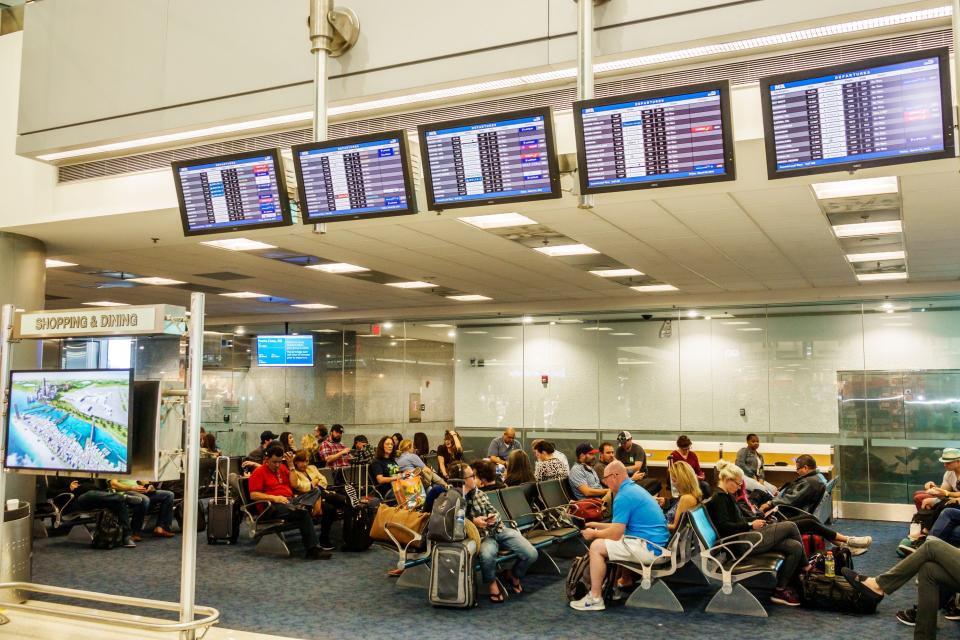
273	545
415	577
80	533
39	530
739	602
570	548
545	564
658	596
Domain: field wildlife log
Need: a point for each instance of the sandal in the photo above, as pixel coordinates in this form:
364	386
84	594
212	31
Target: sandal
393	573
497	598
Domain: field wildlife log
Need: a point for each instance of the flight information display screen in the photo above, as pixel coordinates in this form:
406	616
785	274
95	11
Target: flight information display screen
504	158
882	111
229	193
284	351
352	178
654	139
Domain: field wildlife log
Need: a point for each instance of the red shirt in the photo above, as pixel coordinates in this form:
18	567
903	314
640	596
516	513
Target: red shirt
691	460
262	480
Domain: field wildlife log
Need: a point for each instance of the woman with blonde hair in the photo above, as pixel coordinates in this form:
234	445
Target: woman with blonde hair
684	480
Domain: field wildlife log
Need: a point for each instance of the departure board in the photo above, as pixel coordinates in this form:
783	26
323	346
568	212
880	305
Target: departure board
504	158
228	193
654	139
353	178
882	111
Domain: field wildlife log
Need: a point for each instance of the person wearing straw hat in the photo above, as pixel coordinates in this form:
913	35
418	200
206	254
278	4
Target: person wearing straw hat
949	487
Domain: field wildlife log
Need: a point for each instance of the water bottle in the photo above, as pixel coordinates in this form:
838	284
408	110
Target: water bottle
829	567
915	531
458	528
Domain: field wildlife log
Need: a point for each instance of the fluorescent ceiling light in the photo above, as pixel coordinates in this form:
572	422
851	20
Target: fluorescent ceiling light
874	277
868	229
313	305
692	313
751	329
878	255
616	273
887	305
105	303
368	335
155	280
325	330
451	334
438	325
736	322
473	297
651	288
527	320
598	329
337	267
566	250
476	333
415	284
852	188
504	338
238	244
243	294
498	221
569	321
622	333
53	264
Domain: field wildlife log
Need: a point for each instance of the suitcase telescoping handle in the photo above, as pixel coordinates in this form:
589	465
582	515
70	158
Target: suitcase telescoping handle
219	475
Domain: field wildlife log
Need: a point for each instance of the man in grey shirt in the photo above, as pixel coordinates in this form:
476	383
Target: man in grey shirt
501	447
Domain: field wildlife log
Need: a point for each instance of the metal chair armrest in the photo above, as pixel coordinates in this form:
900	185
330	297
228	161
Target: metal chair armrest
726	544
402	550
647	567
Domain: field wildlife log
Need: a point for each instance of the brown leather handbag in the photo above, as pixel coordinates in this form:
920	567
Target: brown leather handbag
404	524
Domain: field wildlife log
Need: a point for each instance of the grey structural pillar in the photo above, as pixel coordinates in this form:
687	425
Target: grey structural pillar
23	282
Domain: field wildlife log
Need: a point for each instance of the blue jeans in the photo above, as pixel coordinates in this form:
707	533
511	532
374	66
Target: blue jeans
509	539
947	526
108	500
165	499
138	504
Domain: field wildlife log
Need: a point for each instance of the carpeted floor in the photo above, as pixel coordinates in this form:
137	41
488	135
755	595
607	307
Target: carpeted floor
350	596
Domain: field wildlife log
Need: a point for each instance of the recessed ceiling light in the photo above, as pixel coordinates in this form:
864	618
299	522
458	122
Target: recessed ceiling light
889	311
243	294
873	277
877	255
868	229
751	329
367	335
562	250
604	329
498	221
438	325
476	333
473	297
527	320
692	313
155	280
622	333
569	321
337	267
887	305
736	322
238	244
53	264
451	333
325	330
504	338
852	188
616	273
387	325
313	305
105	303
415	284
653	288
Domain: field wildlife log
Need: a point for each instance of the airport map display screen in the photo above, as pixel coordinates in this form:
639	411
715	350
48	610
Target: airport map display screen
285	351
679	136
883	111
230	193
71	420
352	178
504	158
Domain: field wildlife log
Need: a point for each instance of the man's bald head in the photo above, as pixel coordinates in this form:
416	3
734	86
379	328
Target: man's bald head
614	474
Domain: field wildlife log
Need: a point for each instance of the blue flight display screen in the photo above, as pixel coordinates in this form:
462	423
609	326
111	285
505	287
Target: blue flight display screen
487	161
877	112
231	194
349	179
285	351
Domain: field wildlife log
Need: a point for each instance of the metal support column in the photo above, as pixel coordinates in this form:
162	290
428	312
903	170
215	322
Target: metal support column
956	67
188	555
585	67
6	334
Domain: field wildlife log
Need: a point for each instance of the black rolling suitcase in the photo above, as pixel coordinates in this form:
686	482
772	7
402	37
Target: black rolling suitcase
451	576
223	512
359	515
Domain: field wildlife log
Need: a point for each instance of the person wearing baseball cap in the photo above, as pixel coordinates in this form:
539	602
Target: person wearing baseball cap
583	478
949	487
255	458
634	458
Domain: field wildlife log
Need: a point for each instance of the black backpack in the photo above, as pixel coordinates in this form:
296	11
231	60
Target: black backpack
833	594
577	583
109	532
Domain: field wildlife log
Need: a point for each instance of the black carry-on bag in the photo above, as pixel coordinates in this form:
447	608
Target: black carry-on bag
223	512
359	515
451	576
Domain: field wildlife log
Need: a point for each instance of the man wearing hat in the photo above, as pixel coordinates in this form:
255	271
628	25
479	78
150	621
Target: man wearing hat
949	488
634	458
335	453
255	458
583	479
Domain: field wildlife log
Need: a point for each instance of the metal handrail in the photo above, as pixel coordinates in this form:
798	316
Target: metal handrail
212	616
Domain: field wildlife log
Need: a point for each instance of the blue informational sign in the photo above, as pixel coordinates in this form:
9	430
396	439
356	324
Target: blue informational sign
285	351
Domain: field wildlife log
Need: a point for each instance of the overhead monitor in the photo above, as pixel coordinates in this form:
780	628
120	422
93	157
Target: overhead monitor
285	351
353	178
232	193
72	420
508	157
880	111
661	138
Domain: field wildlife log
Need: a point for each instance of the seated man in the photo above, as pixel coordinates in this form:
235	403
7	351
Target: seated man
494	536
803	492
271	482
634	458
335	454
487	477
949	487
139	496
583	479
635	514
361	453
500	448
92	495
255	458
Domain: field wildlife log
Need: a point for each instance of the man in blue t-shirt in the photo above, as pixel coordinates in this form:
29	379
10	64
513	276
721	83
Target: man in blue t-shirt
637	519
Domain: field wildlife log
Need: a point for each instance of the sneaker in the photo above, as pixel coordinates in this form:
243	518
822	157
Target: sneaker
785	596
136	537
907	546
908	617
326	545
588	603
857	551
129	543
859	542
316	553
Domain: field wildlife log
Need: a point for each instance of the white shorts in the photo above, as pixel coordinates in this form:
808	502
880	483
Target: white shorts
628	550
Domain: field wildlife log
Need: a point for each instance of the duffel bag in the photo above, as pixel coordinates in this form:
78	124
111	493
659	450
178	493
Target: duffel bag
833	594
414	520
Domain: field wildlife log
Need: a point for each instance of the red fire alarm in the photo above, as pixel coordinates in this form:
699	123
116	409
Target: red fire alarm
375	329
544	379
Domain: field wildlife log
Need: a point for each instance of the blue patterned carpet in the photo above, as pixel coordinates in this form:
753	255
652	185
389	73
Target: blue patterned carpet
350	596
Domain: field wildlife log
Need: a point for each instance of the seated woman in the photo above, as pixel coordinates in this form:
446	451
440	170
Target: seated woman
807	524
685	482
208	446
683	453
421	445
410	462
519	470
549	466
287	441
449	452
384	468
305	478
783	537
